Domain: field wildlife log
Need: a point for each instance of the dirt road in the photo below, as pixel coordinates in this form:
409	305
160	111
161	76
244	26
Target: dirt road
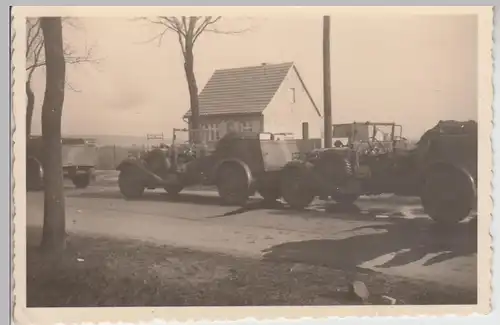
377	234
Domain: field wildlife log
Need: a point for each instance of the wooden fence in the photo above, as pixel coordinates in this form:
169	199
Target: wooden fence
109	157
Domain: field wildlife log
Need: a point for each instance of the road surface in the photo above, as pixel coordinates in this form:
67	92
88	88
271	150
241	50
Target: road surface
388	235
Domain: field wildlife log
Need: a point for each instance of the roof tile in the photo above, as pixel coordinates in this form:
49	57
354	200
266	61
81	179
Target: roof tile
242	90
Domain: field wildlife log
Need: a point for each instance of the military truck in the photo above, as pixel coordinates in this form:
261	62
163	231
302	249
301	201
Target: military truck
79	158
441	168
241	164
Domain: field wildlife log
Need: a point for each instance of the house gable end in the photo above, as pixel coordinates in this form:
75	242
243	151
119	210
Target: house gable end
291	106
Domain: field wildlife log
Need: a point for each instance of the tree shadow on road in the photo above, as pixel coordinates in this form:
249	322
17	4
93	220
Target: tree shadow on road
409	240
351	212
253	205
151	197
190	198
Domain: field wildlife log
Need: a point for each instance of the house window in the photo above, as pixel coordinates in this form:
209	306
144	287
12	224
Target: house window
204	132
214	132
211	132
246	126
292	95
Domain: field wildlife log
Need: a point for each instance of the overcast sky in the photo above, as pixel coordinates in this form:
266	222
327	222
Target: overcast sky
413	70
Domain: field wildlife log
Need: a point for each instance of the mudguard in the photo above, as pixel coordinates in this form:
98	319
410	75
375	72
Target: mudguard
140	169
242	164
129	162
471	182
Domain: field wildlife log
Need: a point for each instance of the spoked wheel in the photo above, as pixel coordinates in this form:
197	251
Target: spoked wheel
447	195
232	185
294	189
129	184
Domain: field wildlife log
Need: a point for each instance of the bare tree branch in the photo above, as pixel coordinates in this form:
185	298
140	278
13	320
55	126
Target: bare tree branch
33	35
182	42
188	30
227	32
70	86
35	45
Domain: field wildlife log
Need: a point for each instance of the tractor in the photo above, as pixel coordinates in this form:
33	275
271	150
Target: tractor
241	164
441	168
79	158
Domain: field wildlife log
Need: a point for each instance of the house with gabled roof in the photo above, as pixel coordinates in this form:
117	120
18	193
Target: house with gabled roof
265	98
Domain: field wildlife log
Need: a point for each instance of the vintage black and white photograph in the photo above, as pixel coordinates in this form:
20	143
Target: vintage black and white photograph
284	157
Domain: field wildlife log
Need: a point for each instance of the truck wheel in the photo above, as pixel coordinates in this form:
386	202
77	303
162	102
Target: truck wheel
345	199
447	195
34	175
270	194
293	188
81	180
232	184
173	189
129	184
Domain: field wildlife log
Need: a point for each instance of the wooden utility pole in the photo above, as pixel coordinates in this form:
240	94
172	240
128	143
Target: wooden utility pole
327	95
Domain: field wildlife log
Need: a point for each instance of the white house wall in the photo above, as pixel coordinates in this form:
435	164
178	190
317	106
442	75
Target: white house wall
282	115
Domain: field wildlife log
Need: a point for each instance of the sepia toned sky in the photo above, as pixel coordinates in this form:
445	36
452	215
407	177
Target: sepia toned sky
410	69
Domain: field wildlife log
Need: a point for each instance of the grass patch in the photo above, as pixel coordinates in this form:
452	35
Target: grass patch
96	272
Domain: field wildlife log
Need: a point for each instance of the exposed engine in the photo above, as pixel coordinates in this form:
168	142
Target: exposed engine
163	160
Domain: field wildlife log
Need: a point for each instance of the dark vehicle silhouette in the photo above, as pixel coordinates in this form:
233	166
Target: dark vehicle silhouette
79	160
441	168
241	164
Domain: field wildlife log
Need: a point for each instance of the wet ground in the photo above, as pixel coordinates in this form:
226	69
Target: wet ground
387	234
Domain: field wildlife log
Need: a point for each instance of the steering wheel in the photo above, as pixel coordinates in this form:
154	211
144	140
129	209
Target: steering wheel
376	146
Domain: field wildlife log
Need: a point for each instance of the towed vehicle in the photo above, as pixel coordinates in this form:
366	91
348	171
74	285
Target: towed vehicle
441	168
239	165
79	158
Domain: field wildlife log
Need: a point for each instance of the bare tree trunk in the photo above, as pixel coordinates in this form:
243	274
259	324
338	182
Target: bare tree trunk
54	232
29	108
193	91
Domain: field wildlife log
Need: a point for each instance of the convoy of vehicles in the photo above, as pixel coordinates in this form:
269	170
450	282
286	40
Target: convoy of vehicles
368	158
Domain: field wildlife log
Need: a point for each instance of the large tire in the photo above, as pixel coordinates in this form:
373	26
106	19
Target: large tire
447	195
294	190
270	194
232	184
173	189
81	180
129	184
34	175
334	166
345	199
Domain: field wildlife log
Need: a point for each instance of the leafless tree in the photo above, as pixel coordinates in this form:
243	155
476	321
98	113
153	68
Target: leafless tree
35	58
188	30
54	232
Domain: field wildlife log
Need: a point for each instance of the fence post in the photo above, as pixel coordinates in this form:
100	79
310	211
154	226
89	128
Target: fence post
305	130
